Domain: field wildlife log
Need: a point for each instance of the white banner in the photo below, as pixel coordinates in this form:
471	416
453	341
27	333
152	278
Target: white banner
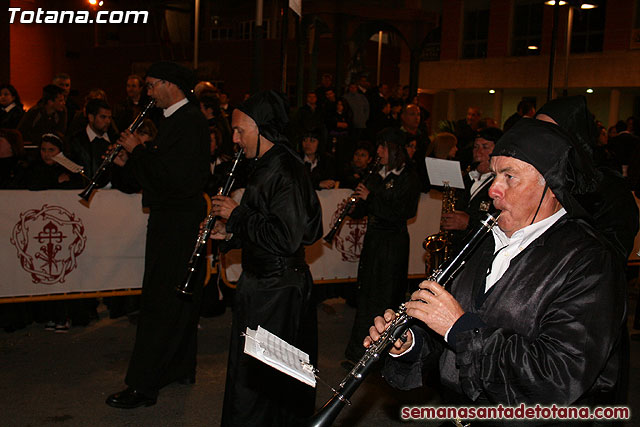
51	243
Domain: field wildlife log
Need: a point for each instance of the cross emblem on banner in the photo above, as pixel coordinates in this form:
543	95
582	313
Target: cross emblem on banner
50	235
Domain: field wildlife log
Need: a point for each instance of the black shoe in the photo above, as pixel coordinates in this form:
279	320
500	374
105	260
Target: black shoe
129	399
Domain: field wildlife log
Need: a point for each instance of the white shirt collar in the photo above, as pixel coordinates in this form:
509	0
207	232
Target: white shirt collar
528	234
313	163
172	109
384	173
92	135
9	107
477	176
507	248
479	182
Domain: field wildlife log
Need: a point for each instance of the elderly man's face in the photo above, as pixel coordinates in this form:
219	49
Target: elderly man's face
516	191
245	133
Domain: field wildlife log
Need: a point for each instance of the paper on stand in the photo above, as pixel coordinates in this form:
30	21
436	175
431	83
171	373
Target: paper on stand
441	170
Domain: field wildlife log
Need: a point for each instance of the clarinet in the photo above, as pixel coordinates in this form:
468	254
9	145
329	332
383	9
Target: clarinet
350	203
108	160
186	287
396	329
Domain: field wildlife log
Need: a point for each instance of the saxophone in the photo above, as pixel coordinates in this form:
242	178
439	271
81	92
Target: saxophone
438	245
351	202
396	329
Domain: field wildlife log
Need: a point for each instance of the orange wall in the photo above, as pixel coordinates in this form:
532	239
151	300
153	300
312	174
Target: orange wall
33	53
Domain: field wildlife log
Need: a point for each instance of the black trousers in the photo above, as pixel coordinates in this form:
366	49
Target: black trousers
166	338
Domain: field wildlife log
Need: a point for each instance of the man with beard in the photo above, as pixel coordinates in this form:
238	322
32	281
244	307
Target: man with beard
172	171
87	146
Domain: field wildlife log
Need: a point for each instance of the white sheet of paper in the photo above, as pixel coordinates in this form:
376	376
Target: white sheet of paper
441	170
277	353
66	163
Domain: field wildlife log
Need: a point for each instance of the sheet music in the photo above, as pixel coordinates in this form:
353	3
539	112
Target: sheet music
441	170
275	352
63	161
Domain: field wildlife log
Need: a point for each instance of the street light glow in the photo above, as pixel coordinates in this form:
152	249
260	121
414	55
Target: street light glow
588	6
589	90
492	91
553	2
532	47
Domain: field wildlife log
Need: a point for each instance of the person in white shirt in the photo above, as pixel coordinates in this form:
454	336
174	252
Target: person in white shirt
535	315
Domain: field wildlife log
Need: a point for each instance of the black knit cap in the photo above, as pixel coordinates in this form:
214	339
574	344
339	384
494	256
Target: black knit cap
269	109
180	76
549	149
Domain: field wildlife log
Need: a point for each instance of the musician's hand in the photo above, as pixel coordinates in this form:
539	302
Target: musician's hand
456	220
120	159
434	306
380	324
223	206
219	231
327	184
129	141
361	192
63	177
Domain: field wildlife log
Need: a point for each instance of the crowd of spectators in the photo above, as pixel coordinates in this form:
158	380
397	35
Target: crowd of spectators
334	135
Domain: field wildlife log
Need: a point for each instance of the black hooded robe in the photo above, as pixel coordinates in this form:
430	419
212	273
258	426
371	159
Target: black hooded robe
548	330
279	214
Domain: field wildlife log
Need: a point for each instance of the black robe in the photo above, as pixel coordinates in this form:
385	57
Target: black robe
172	171
547	332
279	214
384	260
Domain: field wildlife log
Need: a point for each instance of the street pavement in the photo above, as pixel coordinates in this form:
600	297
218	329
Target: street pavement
57	379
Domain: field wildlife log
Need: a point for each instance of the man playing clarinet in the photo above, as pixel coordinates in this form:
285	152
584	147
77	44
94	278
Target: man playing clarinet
278	216
535	315
172	171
